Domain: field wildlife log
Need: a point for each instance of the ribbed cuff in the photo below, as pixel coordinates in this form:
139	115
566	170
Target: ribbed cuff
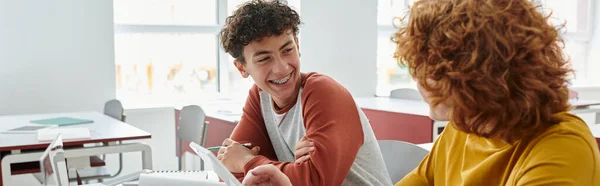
255	162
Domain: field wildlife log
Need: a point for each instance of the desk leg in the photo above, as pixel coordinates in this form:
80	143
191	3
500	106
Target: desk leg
146	157
78	152
16	158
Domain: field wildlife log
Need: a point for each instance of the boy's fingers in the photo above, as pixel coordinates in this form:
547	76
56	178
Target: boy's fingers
303	159
303	144
255	150
227	142
303	151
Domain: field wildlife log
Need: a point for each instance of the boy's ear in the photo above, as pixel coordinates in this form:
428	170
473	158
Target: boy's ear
241	68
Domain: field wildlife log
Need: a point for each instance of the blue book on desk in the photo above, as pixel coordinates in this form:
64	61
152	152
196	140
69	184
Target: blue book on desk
62	121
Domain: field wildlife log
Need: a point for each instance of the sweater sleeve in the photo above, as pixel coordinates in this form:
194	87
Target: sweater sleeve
251	128
332	123
561	160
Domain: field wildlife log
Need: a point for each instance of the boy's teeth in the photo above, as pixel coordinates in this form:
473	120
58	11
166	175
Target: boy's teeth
281	81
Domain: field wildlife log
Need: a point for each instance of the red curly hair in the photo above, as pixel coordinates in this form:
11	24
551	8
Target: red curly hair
498	64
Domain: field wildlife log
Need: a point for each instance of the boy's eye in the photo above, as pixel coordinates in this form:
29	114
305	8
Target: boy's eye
287	50
264	59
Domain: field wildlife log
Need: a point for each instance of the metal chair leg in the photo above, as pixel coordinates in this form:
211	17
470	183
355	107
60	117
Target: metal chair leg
179	159
201	165
120	165
203	142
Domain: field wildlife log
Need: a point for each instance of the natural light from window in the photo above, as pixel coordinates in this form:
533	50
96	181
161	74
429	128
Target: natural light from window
576	14
167	52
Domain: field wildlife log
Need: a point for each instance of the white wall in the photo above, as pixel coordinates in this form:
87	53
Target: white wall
55	55
339	38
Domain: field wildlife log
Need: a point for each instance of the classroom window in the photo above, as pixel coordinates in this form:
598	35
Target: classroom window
577	34
576	14
577	18
167	52
389	75
165	64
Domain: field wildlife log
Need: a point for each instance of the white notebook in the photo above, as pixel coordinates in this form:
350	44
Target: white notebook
192	178
180	178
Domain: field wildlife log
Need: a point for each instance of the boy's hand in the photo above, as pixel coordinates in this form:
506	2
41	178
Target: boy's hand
266	175
235	156
302	149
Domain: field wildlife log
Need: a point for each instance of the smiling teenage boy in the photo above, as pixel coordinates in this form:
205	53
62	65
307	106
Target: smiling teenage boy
306	124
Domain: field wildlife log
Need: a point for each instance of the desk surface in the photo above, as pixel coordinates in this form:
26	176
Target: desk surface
224	109
426	146
413	107
231	109
103	129
595	130
583	103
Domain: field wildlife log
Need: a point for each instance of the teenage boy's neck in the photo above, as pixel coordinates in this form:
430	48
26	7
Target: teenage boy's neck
283	104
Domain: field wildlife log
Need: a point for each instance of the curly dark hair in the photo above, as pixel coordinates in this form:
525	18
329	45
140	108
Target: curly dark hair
255	20
497	64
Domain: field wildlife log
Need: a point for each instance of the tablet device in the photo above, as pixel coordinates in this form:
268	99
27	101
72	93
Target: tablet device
220	169
53	165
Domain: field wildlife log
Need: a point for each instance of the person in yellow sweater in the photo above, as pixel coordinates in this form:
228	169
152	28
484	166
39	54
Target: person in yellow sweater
495	69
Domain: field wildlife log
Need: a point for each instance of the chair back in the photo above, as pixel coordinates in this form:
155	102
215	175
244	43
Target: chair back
114	109
191	124
400	157
191	127
406	93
